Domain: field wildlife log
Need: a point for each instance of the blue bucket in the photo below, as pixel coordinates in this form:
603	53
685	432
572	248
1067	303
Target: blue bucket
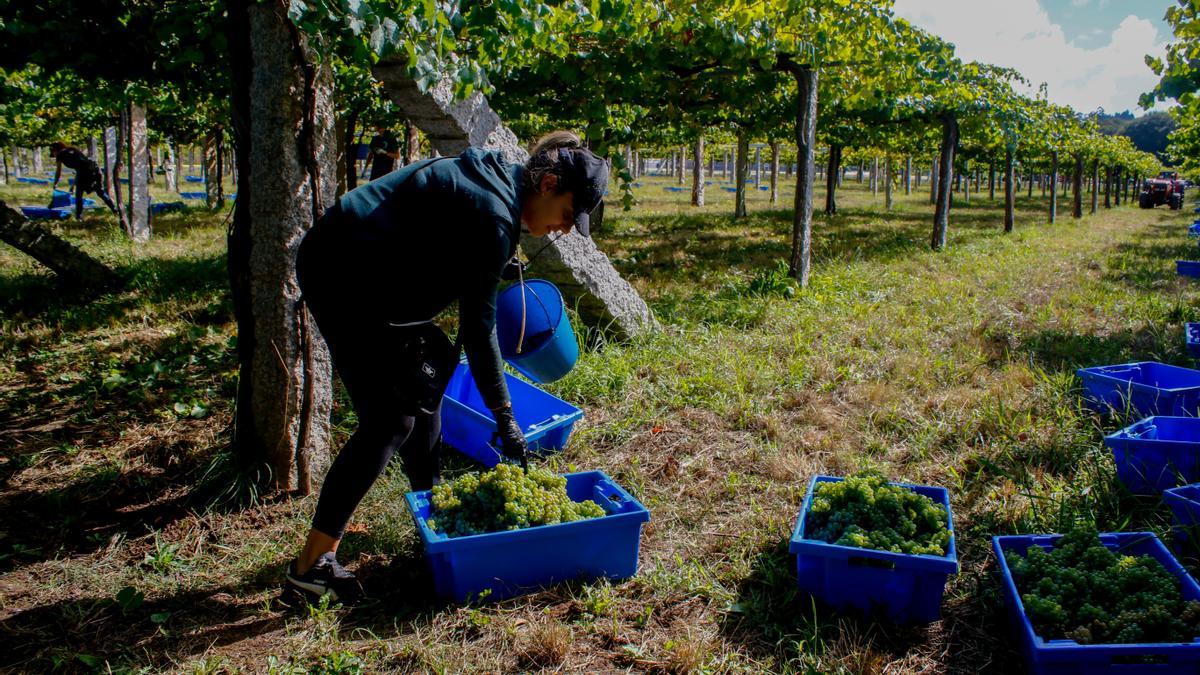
549	350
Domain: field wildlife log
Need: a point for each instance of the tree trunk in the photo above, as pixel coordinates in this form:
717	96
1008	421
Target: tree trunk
887	183
712	165
859	178
285	151
210	170
874	180
698	172
992	180
110	163
72	265
757	168
171	169
941	214
966	181
682	166
1010	192
92	148
806	145
38	167
739	177
935	174
831	179
1108	187
908	175
1053	186
1030	194
139	169
1077	187
1095	185
774	171
119	155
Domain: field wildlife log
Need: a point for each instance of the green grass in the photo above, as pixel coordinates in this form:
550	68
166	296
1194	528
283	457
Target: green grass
952	368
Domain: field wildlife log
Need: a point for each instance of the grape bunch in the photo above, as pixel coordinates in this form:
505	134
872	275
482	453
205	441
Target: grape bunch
865	512
1082	591
505	498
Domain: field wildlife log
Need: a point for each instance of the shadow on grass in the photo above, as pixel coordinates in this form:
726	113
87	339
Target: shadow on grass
80	635
39	297
776	621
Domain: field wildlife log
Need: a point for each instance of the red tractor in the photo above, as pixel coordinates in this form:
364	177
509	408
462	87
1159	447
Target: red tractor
1166	189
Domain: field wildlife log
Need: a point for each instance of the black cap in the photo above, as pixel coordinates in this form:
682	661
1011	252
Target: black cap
585	175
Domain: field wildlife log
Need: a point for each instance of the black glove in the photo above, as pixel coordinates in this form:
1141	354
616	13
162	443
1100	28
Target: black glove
512	440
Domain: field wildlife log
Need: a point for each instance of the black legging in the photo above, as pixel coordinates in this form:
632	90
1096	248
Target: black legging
360	356
90	184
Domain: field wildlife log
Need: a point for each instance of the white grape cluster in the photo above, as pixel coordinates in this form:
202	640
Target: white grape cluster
505	498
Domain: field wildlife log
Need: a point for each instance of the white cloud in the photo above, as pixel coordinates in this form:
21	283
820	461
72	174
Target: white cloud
1019	34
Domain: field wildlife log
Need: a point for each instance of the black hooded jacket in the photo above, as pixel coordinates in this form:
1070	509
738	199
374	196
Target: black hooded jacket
403	248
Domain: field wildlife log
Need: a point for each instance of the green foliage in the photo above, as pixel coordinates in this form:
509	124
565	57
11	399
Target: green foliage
505	498
864	511
1082	591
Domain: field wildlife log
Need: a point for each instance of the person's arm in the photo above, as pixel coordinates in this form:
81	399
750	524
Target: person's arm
477	327
57	171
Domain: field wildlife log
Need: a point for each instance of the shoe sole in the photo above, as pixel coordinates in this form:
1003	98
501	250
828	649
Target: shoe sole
315	589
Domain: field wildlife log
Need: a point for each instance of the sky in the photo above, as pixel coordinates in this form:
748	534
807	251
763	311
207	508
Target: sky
1090	53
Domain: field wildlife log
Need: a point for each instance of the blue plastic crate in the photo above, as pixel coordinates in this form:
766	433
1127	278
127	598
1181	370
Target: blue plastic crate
904	588
1194	229
33	181
517	561
729	189
166	207
42	213
1157	453
1191	332
194	195
1147	387
1188	268
1184	502
62	199
469	427
194	179
1062	657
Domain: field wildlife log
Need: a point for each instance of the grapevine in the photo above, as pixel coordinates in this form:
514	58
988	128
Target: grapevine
864	511
505	498
1082	591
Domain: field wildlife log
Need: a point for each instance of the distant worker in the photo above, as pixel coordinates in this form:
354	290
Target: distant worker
87	175
385	150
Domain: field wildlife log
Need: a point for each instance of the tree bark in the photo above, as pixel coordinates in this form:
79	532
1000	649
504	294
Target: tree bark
774	171
941	214
966	181
38	167
992	180
831	179
806	145
170	169
887	183
908	175
1010	192
1077	187
741	168
698	172
1053	186
210	172
1108	187
73	266
874	182
757	167
1095	185
682	165
110	163
16	162
285	149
